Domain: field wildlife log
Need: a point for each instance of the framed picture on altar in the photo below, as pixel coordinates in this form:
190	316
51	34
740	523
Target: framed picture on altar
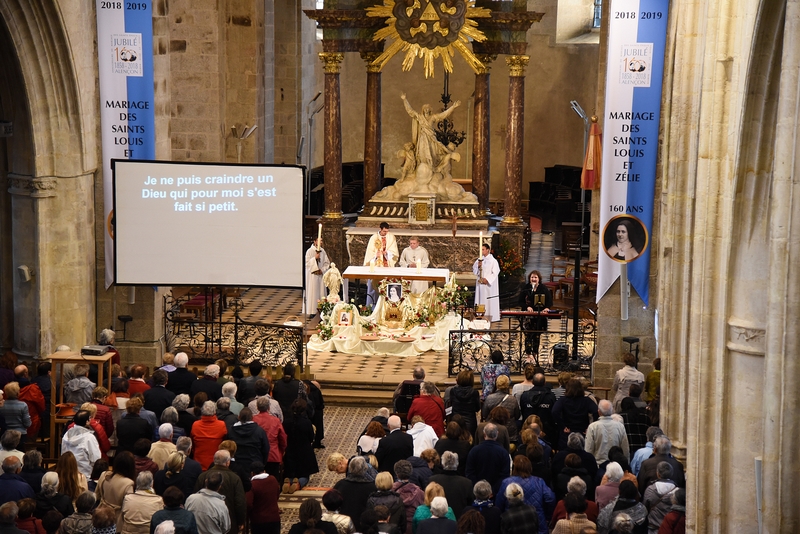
394	292
345	318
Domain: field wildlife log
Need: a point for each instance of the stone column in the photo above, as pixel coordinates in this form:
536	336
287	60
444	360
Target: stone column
372	128
480	135
515	136
332	217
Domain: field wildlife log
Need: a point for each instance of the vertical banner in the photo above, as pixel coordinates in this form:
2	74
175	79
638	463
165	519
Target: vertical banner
127	119
636	43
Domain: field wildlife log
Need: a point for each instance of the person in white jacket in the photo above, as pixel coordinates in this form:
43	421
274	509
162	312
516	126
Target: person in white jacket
424	435
80	441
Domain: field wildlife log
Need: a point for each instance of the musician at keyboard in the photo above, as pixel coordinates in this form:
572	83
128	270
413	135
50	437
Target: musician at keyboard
535	296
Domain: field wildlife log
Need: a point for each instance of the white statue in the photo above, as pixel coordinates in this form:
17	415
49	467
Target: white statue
333	281
426	163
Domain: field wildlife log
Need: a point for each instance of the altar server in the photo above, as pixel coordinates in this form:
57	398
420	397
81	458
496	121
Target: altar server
316	264
413	256
487	286
381	252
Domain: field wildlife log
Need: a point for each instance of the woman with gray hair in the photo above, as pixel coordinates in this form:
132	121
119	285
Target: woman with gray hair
606	493
577	486
439	523
207	434
186	418
170	415
50	499
138	507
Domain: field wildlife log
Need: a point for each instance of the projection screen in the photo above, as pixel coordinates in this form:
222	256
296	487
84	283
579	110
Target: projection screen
181	223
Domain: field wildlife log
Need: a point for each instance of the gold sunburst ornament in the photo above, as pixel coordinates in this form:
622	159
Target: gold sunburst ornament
429	29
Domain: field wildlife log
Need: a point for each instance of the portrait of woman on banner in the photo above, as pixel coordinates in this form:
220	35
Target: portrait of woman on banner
624	238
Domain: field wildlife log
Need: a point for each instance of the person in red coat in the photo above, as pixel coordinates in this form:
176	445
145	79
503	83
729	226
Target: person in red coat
430	407
276	435
262	501
104	416
31	395
207	433
675	521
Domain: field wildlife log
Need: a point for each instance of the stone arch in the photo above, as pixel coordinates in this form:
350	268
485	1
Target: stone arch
50	201
46	62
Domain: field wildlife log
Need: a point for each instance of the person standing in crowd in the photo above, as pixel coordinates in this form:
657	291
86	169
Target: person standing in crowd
182	519
624	379
606	433
534	492
262	501
430	407
207	434
487	284
139	507
230	488
16	413
299	461
412	257
114	485
181	379
208	507
572	411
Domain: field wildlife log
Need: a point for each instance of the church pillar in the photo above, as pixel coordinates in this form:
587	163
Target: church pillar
332	217
781	395
480	135
511	227
372	128
514	138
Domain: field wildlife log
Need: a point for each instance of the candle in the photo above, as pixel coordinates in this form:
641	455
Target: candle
319	233
480	245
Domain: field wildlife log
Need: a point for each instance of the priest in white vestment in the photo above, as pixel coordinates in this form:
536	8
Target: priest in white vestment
487	286
413	256
316	264
381	252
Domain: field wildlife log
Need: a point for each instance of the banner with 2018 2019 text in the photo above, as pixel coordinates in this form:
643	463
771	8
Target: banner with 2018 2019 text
636	45
127	119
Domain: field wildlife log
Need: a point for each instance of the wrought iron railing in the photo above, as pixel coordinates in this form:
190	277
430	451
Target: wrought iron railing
471	349
231	338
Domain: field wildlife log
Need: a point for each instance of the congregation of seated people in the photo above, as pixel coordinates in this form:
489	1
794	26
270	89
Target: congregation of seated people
213	454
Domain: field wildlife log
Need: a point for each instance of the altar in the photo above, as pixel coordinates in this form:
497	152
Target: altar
401	323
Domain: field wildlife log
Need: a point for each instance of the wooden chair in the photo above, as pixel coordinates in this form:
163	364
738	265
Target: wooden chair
558	271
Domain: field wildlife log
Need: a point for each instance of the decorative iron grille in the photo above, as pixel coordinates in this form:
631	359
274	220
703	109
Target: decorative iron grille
237	340
472	349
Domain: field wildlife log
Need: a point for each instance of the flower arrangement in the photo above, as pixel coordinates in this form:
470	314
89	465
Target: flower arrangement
325	330
365	310
426	315
453	296
324	307
369	326
509	259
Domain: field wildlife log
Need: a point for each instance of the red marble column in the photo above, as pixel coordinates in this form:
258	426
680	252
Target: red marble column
332	221
515	136
480	136
372	128
333	135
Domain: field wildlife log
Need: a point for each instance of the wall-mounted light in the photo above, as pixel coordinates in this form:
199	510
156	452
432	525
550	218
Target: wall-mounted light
25	273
